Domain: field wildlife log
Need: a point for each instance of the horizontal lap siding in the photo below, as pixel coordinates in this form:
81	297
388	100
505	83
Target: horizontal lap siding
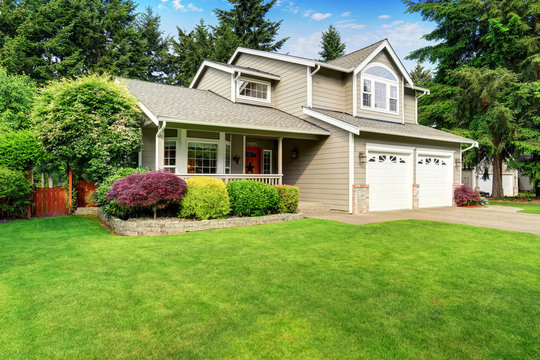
149	147
384	58
217	81
328	90
290	93
360	145
410	106
321	170
348	93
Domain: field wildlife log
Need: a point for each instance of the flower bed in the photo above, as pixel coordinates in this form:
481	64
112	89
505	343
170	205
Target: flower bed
170	226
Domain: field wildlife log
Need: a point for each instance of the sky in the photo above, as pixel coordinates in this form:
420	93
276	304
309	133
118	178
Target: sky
359	22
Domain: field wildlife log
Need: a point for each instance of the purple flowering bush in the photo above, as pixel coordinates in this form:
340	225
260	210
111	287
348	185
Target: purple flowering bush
151	190
465	196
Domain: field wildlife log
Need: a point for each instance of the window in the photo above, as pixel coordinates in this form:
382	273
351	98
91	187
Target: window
380	89
267	161
202	157
253	90
169	158
228	158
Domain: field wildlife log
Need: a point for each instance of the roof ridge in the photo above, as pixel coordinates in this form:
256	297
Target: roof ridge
355	51
160	84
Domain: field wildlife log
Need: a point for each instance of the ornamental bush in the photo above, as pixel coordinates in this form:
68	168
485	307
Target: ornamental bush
465	196
206	198
15	191
19	150
288	197
152	190
111	208
252	198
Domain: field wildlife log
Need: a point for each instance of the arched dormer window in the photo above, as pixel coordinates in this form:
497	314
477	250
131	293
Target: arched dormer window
380	89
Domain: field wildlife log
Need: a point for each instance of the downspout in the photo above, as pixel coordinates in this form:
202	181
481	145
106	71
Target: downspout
416	104
158	134
461	151
310	85
316	70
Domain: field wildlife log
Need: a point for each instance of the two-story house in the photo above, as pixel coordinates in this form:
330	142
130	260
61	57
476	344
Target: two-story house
344	131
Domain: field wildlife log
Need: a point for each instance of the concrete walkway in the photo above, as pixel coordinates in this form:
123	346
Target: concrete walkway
497	217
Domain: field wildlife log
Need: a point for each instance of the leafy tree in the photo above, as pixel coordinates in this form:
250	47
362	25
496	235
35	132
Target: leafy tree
331	45
421	75
20	150
243	25
17	95
148	26
91	124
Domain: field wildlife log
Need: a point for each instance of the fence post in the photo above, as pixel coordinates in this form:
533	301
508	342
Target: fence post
70	187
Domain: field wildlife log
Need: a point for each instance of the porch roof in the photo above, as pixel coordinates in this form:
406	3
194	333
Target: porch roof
203	107
358	124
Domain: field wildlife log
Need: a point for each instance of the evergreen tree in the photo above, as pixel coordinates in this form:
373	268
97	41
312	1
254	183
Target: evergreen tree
420	74
331	45
148	26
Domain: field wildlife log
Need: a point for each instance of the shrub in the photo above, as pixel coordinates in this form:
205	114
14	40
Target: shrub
464	196
15	191
252	198
287	198
19	150
154	190
206	198
111	208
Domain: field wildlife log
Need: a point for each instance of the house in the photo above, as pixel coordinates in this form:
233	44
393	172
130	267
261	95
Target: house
344	131
480	178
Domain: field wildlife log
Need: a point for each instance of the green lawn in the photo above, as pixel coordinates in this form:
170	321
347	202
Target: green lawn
527	207
310	289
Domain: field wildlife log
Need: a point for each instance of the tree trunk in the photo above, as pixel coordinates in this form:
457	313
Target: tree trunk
497	189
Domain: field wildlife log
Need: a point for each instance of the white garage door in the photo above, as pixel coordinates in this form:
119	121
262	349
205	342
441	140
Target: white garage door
434	175
389	176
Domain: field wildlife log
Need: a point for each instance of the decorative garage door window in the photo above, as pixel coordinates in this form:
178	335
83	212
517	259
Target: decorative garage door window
387	159
432	161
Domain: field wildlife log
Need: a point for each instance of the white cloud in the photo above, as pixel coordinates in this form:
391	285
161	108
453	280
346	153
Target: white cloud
307	13
384	16
352	26
161	6
194	8
346	13
288	6
393	24
320	16
304	45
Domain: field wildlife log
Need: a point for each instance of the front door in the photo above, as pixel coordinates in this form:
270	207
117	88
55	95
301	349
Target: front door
253	160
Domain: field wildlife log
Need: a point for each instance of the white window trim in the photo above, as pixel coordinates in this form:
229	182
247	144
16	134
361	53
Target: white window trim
271	155
386	82
221	152
269	92
175	139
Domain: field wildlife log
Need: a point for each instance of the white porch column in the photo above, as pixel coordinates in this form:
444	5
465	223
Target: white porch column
181	152
280	158
244	154
221	154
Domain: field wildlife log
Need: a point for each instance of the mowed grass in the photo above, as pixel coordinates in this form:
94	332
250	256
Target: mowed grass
309	289
527	207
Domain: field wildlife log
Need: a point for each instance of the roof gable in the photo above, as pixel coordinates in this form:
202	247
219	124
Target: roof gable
353	59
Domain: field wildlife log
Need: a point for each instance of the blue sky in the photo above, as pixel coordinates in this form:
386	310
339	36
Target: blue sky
359	22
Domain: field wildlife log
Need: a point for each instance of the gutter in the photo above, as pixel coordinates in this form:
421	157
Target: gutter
158	134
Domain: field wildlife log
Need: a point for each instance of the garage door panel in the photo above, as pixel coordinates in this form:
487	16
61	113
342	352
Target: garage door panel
434	175
389	176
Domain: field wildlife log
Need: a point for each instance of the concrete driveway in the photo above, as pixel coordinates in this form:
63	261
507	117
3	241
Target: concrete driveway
497	217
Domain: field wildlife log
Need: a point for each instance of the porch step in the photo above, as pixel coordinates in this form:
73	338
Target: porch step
307	207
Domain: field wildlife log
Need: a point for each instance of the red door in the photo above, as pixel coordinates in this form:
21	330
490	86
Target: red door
253	160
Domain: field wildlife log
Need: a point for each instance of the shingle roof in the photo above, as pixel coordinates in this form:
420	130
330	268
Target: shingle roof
204	107
356	57
390	128
247	69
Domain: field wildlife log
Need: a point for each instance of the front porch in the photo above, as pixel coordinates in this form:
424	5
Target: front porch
227	155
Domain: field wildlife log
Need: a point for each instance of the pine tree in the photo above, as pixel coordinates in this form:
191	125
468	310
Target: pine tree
331	44
148	26
420	74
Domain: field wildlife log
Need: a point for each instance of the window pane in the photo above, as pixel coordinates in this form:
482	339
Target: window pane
267	161
169	157
367	86
202	158
253	89
381	72
393	105
366	98
393	92
380	95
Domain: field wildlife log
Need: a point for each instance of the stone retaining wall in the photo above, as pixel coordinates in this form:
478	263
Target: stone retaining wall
170	226
86	211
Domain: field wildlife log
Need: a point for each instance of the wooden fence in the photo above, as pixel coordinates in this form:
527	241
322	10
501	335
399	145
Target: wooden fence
49	202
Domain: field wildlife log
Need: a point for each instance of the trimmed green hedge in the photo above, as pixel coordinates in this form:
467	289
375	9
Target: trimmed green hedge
206	198
15	191
252	198
288	197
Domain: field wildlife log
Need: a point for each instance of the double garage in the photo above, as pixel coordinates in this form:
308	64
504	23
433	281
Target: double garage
391	172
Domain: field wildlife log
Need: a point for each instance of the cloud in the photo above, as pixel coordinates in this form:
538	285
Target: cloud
346	13
393	24
161	6
307	13
304	45
384	16
320	16
194	8
177	4
288	6
352	26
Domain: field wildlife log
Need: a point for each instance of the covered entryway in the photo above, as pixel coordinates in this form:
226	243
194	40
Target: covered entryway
389	176
434	175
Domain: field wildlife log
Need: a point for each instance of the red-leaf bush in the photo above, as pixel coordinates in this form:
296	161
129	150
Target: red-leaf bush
154	190
464	196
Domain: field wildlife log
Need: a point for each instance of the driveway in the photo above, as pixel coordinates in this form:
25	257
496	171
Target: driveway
497	217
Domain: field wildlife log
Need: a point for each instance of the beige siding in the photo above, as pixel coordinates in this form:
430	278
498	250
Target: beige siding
149	148
348	93
237	149
360	146
328	90
384	58
290	93
217	81
410	106
321	170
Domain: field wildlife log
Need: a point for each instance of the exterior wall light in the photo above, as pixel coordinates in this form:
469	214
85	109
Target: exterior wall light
294	153
362	157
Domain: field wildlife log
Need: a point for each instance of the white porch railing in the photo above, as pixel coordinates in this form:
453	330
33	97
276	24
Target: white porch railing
272	179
